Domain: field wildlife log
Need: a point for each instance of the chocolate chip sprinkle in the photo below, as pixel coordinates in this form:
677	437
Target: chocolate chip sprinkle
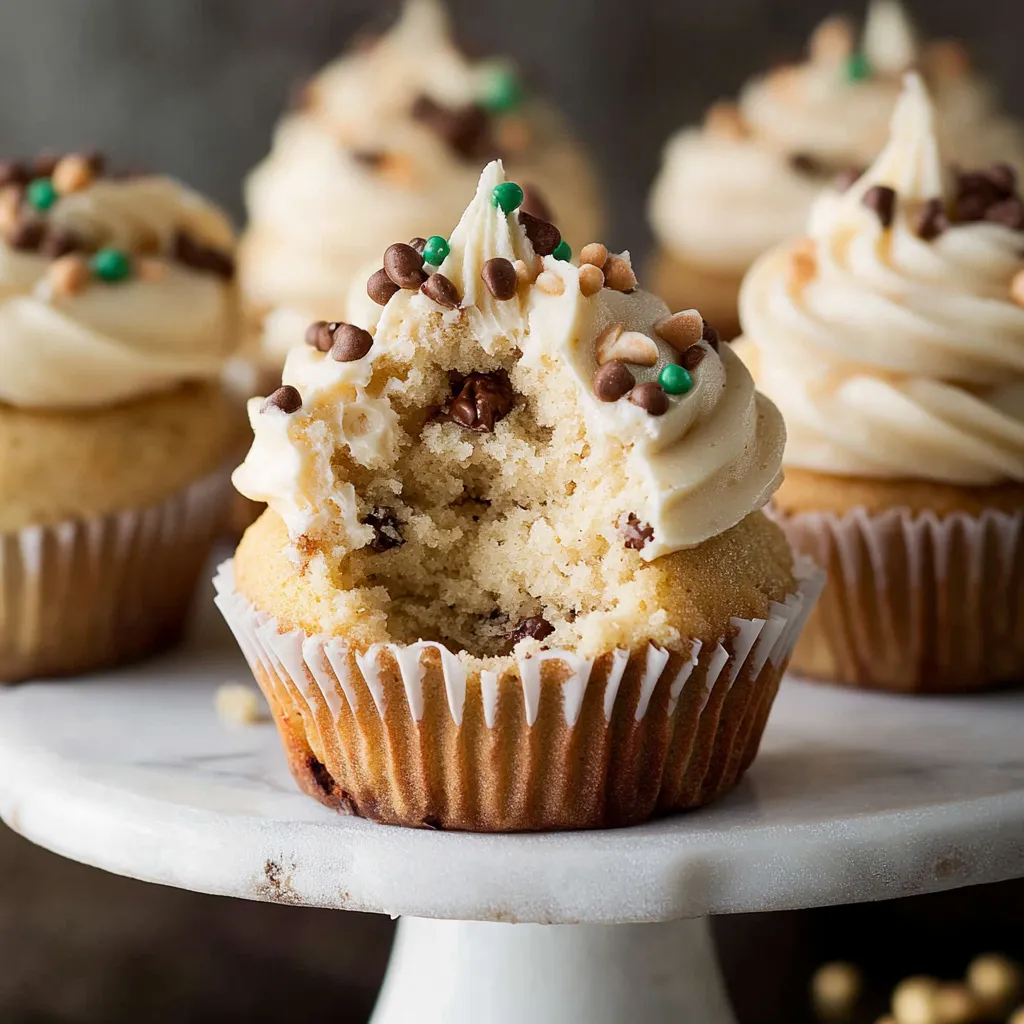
404	265
650	397
500	277
286	399
536	627
350	343
483	400
380	287
635	534
419	244
320	335
441	290
612	381
692	357
543	235
711	336
881	200
930	221
387	532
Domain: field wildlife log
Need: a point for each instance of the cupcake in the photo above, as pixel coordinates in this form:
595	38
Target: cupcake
892	339
387	143
745	181
117	312
514	574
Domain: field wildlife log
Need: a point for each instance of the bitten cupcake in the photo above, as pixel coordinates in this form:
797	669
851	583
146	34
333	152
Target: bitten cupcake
117	312
513	574
892	339
746	180
387	143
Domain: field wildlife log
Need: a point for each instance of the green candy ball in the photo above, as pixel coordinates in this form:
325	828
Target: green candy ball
858	67
675	379
435	252
508	196
111	265
41	193
503	92
562	251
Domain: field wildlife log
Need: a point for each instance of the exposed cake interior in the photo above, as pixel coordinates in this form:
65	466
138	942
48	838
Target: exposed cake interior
519	451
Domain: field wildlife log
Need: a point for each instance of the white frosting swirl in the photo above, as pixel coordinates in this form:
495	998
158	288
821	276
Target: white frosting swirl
318	212
900	357
708	204
690	474
111	342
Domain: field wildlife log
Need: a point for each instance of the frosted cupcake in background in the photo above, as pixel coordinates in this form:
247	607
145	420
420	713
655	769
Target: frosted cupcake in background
514	574
746	179
388	143
117	314
892	339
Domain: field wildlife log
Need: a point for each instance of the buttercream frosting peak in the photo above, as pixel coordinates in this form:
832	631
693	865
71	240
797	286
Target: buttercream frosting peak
889	42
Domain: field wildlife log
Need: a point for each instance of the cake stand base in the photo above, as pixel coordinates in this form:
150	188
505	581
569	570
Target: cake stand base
467	972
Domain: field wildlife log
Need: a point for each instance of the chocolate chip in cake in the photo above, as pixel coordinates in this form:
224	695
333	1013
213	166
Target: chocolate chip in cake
711	336
404	265
350	343
483	399
441	290
286	399
930	221
387	533
500	277
534	203
543	235
612	381
320	335
692	357
650	397
881	200
536	627
380	287
635	534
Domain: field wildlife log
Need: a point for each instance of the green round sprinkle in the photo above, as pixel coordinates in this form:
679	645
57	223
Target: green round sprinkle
508	196
435	252
41	193
858	67
562	251
675	379
111	265
503	92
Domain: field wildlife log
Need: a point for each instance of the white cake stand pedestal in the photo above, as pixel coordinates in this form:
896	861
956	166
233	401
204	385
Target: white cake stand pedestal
853	797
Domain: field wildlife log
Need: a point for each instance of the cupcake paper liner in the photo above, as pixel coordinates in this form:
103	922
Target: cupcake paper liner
82	595
401	734
914	603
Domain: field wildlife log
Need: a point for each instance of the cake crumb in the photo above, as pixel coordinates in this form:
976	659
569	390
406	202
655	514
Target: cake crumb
238	704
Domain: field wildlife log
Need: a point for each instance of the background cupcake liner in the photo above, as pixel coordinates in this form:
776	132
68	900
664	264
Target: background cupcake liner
914	603
81	595
400	734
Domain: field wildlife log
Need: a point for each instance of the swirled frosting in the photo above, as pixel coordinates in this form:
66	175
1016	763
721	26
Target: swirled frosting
891	354
357	167
692	473
107	342
796	126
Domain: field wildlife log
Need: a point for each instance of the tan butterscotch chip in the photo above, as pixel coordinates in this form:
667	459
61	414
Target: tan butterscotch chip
68	275
1017	288
681	330
398	168
594	253
618	274
72	173
527	271
628	346
803	264
591	279
150	270
832	41
550	284
725	121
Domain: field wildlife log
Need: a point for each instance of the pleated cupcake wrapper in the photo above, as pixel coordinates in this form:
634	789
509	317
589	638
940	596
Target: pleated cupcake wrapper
402	734
914	603
81	595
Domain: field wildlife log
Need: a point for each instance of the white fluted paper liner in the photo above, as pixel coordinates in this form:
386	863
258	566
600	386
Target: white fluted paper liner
81	595
646	732
914	602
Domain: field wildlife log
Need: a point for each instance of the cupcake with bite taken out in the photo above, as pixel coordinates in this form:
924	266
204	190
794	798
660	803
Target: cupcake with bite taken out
117	313
892	339
514	574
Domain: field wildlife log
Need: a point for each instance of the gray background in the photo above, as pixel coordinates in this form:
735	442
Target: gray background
193	88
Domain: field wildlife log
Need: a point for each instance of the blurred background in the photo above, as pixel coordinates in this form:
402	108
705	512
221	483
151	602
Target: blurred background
193	88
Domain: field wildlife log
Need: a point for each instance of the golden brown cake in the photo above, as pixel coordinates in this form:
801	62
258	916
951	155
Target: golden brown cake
892	338
117	312
514	573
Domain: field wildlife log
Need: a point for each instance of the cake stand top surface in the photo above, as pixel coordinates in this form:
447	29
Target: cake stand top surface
853	797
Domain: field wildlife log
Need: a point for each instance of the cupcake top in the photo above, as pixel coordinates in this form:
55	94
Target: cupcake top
111	288
389	141
892	337
796	127
508	404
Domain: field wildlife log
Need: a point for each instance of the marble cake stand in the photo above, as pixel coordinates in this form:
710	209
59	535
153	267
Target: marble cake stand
853	798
